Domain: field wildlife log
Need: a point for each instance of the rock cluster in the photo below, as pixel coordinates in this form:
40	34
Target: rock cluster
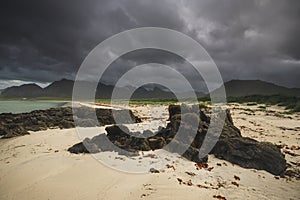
231	146
12	125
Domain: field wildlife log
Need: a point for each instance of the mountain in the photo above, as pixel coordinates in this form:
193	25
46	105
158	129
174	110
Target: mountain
64	88
23	91
143	93
235	88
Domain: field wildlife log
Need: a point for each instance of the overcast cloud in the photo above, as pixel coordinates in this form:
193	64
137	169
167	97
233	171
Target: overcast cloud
44	41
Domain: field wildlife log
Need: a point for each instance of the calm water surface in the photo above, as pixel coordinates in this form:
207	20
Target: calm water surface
28	106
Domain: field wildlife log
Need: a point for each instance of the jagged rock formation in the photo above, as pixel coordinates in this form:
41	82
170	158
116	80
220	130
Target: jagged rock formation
231	146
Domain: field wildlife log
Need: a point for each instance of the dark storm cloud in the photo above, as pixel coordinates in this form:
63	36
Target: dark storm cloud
249	39
139	57
54	36
43	41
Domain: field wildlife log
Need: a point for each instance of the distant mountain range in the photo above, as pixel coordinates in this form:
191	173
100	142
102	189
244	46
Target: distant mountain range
64	89
26	90
236	88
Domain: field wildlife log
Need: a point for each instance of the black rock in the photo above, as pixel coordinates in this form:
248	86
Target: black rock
230	146
12	125
249	153
153	170
78	148
121	137
156	142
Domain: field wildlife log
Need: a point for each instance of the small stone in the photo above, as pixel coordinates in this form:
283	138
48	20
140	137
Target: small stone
153	170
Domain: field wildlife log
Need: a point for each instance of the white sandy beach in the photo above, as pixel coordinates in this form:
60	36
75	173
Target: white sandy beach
38	166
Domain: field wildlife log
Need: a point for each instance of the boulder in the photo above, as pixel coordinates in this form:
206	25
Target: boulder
78	148
231	146
249	153
121	137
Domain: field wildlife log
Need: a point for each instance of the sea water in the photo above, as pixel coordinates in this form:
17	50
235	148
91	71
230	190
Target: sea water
28	106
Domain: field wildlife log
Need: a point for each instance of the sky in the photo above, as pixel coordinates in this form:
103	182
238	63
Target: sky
45	41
